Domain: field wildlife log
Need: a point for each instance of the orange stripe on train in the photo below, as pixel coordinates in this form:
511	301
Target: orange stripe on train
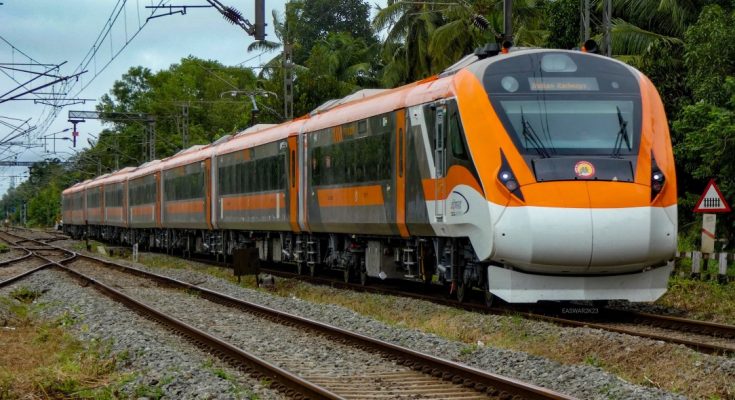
114	212
260	201
371	195
185	207
144	210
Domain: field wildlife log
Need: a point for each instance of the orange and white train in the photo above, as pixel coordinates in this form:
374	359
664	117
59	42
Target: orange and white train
532	175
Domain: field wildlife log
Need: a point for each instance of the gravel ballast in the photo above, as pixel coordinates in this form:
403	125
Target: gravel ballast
582	381
159	361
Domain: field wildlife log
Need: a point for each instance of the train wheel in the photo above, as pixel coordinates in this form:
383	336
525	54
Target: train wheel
462	288
490	299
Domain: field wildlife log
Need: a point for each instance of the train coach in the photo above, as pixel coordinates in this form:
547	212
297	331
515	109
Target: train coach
531	174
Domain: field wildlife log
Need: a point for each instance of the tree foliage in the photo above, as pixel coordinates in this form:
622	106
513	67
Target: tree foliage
704	130
563	24
312	21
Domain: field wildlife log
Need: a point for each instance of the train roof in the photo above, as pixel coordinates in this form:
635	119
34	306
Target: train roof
187	156
262	135
360	94
255	128
96	181
380	102
145	169
117	176
75	188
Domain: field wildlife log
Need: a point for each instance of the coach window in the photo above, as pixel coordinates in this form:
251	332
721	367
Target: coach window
456	139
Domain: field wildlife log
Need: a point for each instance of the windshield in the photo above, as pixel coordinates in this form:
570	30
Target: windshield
566	103
572	126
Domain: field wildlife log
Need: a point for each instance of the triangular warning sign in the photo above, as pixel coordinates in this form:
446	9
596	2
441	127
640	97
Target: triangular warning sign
712	200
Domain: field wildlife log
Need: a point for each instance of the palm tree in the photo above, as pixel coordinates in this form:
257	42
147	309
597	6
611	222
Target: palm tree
345	58
425	37
267	46
641	24
410	26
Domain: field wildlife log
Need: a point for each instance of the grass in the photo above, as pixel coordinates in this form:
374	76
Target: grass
4	248
703	300
235	388
41	360
25	295
154	391
660	365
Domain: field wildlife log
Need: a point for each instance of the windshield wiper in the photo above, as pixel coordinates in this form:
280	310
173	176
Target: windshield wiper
622	136
531	137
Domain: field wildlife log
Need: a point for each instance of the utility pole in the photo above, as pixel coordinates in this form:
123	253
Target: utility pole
151	128
607	22
508	20
584	20
185	125
287	64
288	81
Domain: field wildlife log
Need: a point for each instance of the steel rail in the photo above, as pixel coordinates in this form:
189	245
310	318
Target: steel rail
291	382
703	327
667	322
23	275
459	374
678	323
287	382
17	259
482	381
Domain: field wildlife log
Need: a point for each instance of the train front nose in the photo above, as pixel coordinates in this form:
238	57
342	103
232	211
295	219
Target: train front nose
573	228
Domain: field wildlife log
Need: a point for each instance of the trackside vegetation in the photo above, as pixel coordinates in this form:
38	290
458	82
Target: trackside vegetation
40	359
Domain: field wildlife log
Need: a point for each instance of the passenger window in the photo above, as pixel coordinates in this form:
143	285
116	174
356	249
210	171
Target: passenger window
455	137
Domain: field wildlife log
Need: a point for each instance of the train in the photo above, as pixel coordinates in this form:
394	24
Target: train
530	174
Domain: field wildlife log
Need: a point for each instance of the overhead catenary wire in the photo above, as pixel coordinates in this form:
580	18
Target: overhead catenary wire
45	120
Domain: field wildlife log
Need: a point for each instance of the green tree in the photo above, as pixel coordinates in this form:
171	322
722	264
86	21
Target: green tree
199	85
710	54
424	38
704	131
311	21
562	22
45	208
409	28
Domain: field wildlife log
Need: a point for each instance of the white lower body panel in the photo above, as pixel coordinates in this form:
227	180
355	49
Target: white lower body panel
518	287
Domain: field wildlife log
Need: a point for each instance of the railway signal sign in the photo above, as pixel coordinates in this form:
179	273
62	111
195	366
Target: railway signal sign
712	200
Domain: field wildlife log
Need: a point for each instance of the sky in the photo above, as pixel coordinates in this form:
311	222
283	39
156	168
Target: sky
54	31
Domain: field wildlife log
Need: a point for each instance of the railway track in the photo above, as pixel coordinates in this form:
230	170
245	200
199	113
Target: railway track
706	337
24	262
702	336
397	373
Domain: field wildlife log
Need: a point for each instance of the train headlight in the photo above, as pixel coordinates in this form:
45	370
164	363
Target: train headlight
507	178
658	179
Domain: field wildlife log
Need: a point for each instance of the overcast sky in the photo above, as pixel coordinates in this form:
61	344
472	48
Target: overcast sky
53	31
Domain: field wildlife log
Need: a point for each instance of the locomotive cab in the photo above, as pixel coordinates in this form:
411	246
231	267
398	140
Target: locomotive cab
583	190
